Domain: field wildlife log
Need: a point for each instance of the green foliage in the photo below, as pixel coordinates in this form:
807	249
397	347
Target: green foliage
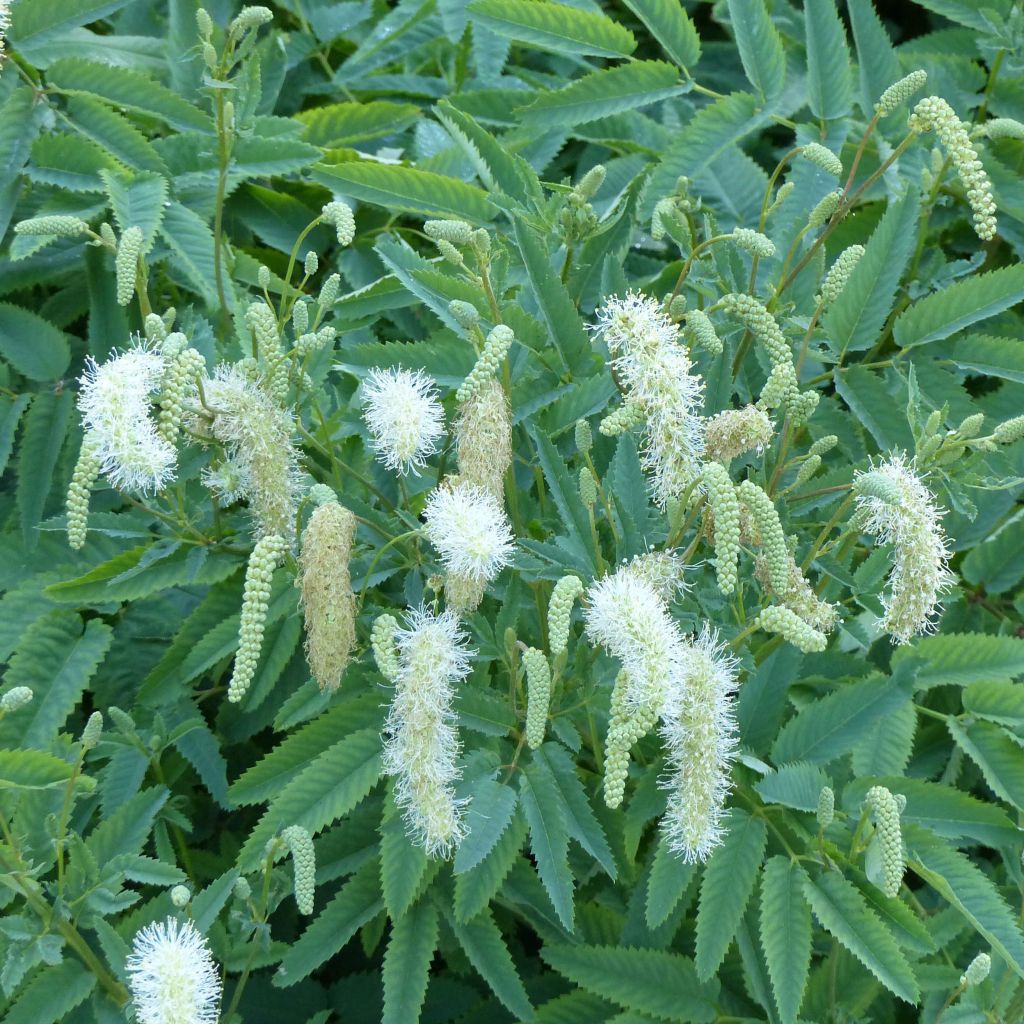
282	172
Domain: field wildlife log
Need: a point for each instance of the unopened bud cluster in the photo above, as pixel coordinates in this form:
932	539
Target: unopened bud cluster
899	92
837	278
15	699
789	625
725	508
87	469
538	695
126	263
754	242
769	533
824	158
889	837
496	347
483	435
826	811
977	970
563	596
339	216
733	432
701	331
300	846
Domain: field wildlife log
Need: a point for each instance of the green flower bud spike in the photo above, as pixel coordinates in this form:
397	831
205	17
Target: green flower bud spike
87	469
890	840
93	731
126	263
538	695
725	507
300	846
899	92
15	699
826	807
977	971
789	625
496	347
385	650
563	597
180	896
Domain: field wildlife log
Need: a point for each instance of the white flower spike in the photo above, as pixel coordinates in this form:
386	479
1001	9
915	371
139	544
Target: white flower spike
404	417
470	531
172	975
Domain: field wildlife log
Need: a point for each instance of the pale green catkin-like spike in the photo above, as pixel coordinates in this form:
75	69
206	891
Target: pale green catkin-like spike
242	890
789	625
998	128
784	192
798	595
725	507
481	240
263	277
180	896
339	215
87	469
450	253
772	538
204	23
837	278
108	236
321	494
676	307
454	232
61	227
754	242
588	487
823	158
465	313
328	602
875	485
625	417
627	725
826	807
584	437
93	731
591	182
300	318
263	324
563	596
1009	431
701	331
977	971
970	426
14	699
934	113
249	18
385	650
181	371
809	467
899	92
311	264
538	695
154	328
823	445
496	347
890	839
824	210
265	557
483	434
664	208
300	846
733	432
329	292
126	264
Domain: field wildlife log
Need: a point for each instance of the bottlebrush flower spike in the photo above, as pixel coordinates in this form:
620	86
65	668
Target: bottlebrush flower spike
404	417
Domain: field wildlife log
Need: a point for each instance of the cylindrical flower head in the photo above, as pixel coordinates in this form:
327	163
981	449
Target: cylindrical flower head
733	432
826	807
262	321
618	421
1009	431
908	519
496	347
115	402
300	846
15	698
900	91
384	646
754	242
655	371
403	416
997	128
455	232
172	976
836	279
662	570
627	725
538	695
798	595
977	971
257	435
789	625
421	745
180	896
587	487
470	531
126	263
93	731
339	216
583	436
563	596
698	727
770	533
483	434
933	112
181	371
821	213
823	158
327	599
61	227
725	506
890	840
249	18
87	469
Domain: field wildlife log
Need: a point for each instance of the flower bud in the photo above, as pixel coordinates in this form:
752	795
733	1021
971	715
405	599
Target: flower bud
826	807
725	507
1009	431
563	596
754	242
382	642
823	158
93	731
900	91
339	215
583	436
455	232
538	695
496	347
180	896
890	840
300	846
126	263
59	226
464	313
789	625
588	487
977	971
14	699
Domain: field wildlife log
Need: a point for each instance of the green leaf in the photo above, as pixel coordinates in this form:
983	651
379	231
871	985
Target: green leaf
476	887
42	438
11	411
726	887
970	890
403	864
671	27
793	785
998	702
257	157
886	749
36	22
549	838
407	964
124	88
32	769
137	202
32	345
959	659
664	985
555	27
996	357
829	87
483	945
968	13
355	903
210	901
52	994
996	754
491	808
853	321
844	912
113	132
831	726
959	305
669	879
407	189
344	124
786	933
760	46
191	241
56	660
125	832
877	62
603	93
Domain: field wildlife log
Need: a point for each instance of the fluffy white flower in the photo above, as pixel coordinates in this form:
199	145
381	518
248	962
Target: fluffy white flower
421	743
698	727
115	400
172	975
470	531
896	508
655	372
404	417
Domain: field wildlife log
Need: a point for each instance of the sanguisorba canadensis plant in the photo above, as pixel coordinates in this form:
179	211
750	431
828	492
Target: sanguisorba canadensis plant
511	511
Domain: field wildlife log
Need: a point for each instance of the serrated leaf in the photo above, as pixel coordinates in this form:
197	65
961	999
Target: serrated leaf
491	808
42	437
32	769
483	945
829	87
760	46
210	901
407	963
403	864
11	411
32	345
556	27
967	888
333	125
662	984
137	202
996	357
604	93
843	911
549	839
886	749
998	702
125	832
477	886
959	659
877	62
52	994
356	902
36	22
793	785
728	882
959	305
786	933
671	27
191	241
998	756
668	880
113	132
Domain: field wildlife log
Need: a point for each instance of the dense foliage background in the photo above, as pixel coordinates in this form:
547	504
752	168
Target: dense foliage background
555	908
